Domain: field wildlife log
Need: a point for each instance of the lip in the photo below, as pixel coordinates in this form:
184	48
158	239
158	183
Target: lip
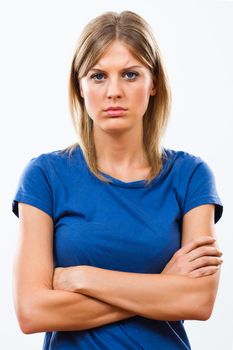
115	108
115	111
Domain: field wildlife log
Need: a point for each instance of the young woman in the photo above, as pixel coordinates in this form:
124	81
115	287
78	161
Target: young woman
117	240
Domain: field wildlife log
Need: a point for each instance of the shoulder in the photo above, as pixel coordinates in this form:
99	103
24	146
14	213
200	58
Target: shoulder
55	158
183	162
49	165
184	166
182	158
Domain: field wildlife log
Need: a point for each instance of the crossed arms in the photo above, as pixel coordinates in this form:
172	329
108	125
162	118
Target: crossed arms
76	298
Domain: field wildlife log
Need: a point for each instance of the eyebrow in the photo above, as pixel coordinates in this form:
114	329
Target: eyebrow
96	69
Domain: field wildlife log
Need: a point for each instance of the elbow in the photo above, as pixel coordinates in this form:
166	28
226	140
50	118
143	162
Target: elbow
26	329
199	313
31	311
203	297
26	318
204	307
205	311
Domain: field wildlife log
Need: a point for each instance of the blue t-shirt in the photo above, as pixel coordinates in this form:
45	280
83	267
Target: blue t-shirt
121	226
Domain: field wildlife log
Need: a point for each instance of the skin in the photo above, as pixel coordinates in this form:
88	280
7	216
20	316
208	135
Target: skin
75	298
118	141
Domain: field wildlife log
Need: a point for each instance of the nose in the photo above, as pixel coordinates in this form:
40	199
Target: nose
114	89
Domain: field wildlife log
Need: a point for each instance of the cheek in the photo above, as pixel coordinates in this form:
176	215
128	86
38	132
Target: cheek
89	93
91	98
141	98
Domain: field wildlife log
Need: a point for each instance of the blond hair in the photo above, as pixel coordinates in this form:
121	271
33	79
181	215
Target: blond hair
131	29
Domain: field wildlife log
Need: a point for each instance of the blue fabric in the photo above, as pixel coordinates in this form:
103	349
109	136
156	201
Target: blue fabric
119	226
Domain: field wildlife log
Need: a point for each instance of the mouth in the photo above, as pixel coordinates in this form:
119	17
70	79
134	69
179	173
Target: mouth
115	111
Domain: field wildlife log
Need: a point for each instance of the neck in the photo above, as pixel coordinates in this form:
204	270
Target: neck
122	150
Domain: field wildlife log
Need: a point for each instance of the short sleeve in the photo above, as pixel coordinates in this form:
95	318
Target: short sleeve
34	187
201	190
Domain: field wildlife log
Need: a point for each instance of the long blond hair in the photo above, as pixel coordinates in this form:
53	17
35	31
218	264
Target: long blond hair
97	36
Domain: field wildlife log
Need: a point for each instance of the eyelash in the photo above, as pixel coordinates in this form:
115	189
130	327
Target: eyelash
136	74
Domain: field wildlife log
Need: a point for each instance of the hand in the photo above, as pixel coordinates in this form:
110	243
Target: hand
69	278
195	259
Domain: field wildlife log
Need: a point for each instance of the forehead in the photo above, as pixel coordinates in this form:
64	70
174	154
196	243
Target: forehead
119	55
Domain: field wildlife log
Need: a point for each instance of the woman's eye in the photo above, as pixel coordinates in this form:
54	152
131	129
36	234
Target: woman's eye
131	75
97	76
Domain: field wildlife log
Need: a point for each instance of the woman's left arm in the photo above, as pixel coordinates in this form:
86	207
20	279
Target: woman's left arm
157	296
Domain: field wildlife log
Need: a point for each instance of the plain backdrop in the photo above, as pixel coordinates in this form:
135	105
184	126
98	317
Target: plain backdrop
37	41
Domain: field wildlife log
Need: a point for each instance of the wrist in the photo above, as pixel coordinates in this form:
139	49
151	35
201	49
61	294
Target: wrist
82	276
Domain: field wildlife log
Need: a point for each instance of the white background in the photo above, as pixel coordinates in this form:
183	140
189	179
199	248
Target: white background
37	41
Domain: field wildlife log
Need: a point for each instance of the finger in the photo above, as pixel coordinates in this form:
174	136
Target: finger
204	251
204	271
205	261
203	240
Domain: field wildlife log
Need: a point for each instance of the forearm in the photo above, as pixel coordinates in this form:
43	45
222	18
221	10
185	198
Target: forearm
155	296
51	310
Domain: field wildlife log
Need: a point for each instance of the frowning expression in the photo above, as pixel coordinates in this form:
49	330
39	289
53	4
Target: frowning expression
118	79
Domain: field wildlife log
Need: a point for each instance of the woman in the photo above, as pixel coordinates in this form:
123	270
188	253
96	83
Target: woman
116	232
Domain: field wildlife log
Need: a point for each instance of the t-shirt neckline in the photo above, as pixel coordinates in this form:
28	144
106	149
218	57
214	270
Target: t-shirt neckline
131	184
137	183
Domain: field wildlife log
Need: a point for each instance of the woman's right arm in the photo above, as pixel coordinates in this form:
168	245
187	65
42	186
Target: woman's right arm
38	306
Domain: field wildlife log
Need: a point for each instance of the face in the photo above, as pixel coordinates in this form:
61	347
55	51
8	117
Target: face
118	79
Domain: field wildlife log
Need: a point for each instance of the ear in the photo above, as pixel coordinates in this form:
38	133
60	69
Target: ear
81	92
153	90
80	89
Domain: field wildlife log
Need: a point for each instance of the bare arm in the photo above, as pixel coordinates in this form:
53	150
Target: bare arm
39	308
164	296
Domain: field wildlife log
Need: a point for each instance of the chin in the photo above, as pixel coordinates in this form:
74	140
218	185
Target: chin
115	130
116	126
